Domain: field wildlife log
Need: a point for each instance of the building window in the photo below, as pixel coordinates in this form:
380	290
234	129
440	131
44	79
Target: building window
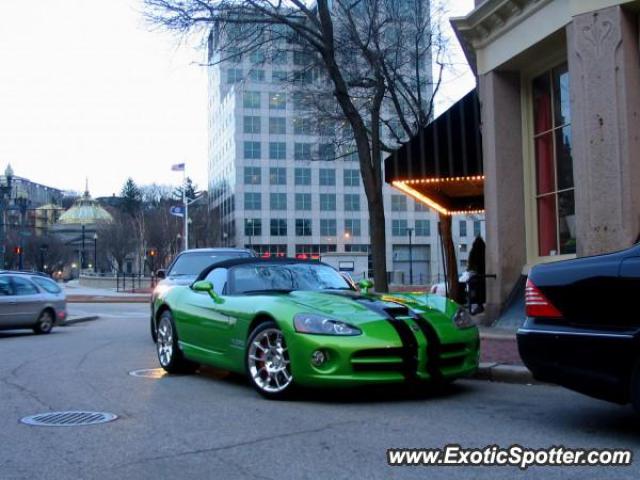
252	176
279	57
399	228
256	75
351	178
423	228
278	201
477	228
554	187
251	124
327	152
257	56
303	201
252	201
278	227
277	125
352	227
277	101
463	248
252	227
300	102
301	58
351	202
328	227
251	100
303	176
277	176
398	203
279	76
420	207
252	150
234	75
462	228
303	227
302	126
328	202
277	150
302	151
327	176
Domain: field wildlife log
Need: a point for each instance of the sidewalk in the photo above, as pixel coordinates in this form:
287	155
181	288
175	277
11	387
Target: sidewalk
499	357
79	294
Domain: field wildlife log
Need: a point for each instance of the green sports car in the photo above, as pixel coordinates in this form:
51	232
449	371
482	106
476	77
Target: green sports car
288	323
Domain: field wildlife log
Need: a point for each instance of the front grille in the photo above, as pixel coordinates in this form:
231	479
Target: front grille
377	360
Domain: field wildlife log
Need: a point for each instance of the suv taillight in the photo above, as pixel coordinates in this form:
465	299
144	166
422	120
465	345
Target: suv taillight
537	305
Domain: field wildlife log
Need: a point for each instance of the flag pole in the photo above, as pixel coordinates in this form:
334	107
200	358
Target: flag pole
186	207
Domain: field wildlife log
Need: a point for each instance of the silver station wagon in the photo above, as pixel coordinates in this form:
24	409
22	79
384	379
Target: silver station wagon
30	300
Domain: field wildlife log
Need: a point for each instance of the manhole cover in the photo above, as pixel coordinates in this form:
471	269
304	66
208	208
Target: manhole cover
148	373
68	419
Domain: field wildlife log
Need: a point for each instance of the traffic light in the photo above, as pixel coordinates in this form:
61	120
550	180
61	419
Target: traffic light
17	250
152	252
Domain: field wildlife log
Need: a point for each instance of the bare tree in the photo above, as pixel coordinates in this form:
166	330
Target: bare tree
46	253
117	240
374	56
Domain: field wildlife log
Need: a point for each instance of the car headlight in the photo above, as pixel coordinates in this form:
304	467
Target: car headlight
462	319
321	325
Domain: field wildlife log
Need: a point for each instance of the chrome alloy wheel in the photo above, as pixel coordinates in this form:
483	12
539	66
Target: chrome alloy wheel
165	341
269	361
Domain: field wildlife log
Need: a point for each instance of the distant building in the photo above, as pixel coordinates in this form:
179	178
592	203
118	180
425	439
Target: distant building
23	206
279	187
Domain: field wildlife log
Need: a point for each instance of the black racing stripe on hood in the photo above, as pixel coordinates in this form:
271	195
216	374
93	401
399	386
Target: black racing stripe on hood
389	313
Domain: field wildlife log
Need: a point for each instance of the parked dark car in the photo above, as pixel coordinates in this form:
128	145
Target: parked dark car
30	300
583	329
186	267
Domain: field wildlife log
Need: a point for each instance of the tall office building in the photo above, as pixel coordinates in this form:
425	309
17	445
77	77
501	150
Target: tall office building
277	186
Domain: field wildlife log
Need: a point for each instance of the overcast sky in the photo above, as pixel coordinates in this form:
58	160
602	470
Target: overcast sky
87	91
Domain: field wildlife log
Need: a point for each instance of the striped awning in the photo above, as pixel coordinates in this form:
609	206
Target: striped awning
442	165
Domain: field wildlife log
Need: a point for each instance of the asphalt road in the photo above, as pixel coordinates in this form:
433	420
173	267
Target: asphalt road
212	425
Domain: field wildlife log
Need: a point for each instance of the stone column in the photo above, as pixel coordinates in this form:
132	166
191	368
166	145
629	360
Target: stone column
604	70
504	185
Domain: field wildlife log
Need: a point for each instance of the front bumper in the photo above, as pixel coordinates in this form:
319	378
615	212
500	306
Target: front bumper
362	360
595	363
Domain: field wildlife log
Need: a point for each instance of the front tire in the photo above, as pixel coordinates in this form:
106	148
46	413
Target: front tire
169	354
267	361
45	323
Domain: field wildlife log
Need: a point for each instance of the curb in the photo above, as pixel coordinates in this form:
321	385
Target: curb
105	299
500	372
74	320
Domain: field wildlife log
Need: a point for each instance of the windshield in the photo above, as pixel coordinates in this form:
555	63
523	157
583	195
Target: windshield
285	277
194	262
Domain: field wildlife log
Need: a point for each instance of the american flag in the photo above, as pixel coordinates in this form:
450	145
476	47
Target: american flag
178	167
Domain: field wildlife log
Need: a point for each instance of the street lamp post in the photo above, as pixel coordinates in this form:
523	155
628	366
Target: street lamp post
43	250
95	253
82	259
5	196
21	203
410	232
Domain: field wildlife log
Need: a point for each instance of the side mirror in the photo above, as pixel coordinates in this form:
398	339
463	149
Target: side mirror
365	285
161	273
206	286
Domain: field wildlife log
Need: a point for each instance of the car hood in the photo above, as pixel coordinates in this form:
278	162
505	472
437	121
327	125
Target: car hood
346	305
